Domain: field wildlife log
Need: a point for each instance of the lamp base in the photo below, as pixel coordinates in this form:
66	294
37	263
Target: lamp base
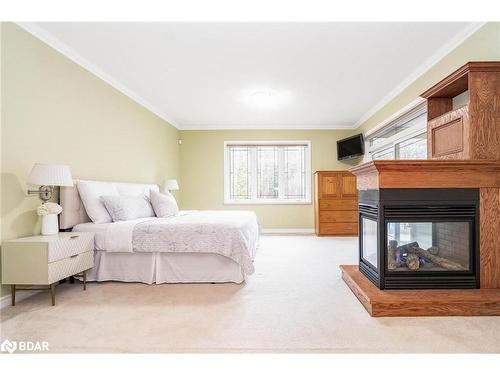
50	225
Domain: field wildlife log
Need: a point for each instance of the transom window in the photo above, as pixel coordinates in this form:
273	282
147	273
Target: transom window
403	138
267	172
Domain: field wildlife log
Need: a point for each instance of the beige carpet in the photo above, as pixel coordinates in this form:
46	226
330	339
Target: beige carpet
295	302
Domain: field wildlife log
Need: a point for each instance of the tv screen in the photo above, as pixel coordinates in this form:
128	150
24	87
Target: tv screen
351	147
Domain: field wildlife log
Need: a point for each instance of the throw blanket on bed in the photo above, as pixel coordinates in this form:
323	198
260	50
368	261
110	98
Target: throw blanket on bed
233	234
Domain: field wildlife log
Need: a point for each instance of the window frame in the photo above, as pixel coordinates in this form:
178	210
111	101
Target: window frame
253	182
393	141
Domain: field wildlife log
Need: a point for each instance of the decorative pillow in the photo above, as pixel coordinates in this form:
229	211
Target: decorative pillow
122	208
131	189
164	204
90	193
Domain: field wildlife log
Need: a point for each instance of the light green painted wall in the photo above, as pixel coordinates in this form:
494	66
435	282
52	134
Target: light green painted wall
202	171
483	45
54	111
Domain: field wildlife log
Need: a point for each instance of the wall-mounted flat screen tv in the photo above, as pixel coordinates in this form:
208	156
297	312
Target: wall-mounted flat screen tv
351	147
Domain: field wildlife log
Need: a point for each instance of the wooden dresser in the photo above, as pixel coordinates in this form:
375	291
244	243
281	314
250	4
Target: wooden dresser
335	203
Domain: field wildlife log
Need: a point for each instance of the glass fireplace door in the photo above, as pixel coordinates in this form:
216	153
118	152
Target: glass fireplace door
428	246
369	243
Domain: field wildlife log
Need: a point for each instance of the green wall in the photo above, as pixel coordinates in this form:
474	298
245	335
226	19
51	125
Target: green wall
202	171
54	111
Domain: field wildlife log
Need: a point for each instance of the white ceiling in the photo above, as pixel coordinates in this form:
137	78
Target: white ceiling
200	75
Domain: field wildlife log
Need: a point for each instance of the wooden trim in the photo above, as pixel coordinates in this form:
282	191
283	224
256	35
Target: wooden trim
421	302
441	85
489	247
427	174
473	66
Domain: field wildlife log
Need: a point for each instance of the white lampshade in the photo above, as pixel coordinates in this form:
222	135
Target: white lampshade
50	175
171	185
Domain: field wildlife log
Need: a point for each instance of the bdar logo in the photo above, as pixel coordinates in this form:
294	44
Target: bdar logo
8	346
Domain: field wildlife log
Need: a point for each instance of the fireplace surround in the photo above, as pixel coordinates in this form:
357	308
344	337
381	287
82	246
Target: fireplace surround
450	209
419	238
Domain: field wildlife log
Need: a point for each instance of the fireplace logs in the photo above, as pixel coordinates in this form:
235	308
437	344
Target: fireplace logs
392	264
412	256
413	261
437	260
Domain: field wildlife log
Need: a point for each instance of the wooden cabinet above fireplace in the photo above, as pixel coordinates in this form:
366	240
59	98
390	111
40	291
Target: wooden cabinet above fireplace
463	114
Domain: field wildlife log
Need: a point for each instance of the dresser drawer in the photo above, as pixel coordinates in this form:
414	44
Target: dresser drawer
338	228
70	266
338	216
70	244
337	204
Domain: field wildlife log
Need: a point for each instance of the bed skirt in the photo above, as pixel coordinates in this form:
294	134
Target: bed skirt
159	268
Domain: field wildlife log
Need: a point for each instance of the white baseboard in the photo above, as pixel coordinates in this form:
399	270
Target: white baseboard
20	295
287	231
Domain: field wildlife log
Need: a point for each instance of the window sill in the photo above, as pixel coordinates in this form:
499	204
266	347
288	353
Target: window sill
266	202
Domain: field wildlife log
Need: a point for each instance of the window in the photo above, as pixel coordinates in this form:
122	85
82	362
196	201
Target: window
413	148
403	138
384	154
267	172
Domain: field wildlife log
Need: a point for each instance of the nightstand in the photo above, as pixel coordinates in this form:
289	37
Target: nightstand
45	260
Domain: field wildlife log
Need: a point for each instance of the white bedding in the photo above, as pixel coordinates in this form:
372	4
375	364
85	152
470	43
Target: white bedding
233	234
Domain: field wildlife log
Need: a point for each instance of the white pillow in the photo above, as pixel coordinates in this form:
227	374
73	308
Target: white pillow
123	208
130	189
90	193
164	204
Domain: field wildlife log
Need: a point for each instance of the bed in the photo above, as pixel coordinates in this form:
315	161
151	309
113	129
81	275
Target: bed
193	246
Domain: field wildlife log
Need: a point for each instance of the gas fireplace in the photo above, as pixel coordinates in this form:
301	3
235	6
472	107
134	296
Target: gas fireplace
419	238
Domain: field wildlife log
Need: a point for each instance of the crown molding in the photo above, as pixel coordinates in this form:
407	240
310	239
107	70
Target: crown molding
267	127
58	45
424	67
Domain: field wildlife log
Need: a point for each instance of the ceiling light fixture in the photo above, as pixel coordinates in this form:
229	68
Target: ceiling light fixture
264	98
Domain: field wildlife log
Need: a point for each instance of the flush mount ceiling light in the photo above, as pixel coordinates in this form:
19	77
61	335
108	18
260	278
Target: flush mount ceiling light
264	98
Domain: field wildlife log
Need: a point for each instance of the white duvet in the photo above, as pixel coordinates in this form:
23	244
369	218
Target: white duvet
233	234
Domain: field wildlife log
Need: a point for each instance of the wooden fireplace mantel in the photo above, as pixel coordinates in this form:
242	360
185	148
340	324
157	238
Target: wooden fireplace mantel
413	174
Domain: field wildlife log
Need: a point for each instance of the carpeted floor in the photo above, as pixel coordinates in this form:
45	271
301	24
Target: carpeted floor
295	302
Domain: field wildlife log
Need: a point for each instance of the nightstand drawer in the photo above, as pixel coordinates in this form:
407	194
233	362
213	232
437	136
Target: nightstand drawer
71	266
69	245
